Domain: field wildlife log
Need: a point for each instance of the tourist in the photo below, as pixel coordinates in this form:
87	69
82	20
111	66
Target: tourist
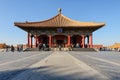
59	47
18	48
21	47
77	45
12	48
6	48
44	46
39	46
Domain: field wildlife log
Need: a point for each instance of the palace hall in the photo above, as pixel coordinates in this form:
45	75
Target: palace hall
60	31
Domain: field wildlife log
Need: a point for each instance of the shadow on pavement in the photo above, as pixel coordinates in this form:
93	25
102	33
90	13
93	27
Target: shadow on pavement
46	73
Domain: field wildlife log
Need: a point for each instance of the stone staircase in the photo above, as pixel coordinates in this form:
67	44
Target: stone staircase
62	49
36	49
84	49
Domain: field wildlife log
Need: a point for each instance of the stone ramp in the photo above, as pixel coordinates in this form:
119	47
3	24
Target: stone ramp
60	66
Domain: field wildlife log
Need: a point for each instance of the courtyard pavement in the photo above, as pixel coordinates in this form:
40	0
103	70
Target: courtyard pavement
60	65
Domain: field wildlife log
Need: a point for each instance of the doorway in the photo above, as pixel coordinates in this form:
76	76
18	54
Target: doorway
60	42
77	41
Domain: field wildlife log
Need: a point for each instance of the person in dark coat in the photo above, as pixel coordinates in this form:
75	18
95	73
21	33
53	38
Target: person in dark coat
12	48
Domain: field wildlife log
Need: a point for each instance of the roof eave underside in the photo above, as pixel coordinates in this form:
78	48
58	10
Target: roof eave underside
43	26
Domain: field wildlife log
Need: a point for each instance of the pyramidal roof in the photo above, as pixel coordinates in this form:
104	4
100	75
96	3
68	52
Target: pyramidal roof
59	21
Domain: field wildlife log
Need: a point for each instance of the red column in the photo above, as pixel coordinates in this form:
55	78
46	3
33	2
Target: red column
28	40
31	41
68	40
88	46
50	41
36	41
83	41
90	41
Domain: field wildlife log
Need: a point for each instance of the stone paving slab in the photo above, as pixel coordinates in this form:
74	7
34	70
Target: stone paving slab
60	66
104	62
18	62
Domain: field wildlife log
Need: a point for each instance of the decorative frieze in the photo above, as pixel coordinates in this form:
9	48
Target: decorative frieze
60	31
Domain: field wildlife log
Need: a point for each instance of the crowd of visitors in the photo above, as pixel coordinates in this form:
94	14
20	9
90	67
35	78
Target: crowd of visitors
12	48
19	47
43	47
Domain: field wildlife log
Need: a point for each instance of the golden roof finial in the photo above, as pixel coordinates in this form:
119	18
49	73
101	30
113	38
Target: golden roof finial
59	10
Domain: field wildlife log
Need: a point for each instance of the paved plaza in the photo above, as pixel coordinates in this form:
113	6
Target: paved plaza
60	65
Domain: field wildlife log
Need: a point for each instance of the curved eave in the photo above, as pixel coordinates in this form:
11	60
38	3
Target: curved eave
59	21
69	25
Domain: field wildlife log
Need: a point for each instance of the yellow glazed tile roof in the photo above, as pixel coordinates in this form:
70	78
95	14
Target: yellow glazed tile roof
59	21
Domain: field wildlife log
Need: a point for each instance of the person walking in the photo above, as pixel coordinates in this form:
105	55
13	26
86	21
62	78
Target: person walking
40	46
12	48
44	46
59	47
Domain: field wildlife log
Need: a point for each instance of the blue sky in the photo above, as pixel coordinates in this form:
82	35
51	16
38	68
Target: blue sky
107	11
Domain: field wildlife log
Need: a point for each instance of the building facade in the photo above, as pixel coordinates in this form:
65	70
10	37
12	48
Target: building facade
60	31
